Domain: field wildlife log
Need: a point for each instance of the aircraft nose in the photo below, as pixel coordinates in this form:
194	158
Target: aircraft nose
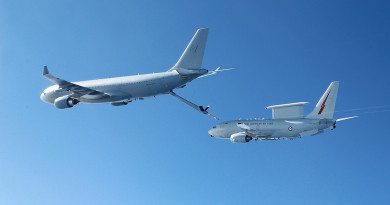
212	132
44	97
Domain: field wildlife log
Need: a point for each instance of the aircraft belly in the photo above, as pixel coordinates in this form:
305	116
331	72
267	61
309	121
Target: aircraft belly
309	133
103	100
285	134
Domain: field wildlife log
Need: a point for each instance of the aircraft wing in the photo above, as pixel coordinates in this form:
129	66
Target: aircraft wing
77	90
249	131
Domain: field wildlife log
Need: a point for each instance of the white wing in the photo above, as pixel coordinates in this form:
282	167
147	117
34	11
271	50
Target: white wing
77	90
250	131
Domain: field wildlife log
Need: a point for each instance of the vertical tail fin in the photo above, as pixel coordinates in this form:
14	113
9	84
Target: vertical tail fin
325	107
192	56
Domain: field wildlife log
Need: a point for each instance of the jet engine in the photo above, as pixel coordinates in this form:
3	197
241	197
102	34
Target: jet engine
65	102
240	138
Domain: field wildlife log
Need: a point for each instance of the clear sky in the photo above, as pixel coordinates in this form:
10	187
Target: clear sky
158	151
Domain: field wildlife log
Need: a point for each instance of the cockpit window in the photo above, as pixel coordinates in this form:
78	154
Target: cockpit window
215	127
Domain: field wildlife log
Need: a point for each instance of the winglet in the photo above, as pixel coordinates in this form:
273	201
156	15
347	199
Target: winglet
53	78
45	70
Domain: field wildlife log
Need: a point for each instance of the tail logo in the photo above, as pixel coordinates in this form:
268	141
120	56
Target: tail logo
323	104
196	48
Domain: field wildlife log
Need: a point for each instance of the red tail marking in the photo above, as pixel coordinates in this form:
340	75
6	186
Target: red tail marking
323	104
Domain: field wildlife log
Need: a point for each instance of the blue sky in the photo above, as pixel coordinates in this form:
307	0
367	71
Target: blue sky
157	151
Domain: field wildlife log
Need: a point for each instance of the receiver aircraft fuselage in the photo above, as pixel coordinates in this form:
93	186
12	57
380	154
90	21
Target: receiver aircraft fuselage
122	90
288	121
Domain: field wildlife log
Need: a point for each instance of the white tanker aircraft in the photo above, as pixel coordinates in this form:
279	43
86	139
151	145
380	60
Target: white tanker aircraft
287	121
122	90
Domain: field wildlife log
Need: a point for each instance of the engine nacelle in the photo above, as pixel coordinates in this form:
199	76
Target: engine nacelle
240	138
65	102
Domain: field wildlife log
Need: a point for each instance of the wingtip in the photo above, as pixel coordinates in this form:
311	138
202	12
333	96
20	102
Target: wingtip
45	70
203	30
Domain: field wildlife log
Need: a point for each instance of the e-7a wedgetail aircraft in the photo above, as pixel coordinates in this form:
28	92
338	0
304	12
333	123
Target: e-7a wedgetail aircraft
122	90
287	121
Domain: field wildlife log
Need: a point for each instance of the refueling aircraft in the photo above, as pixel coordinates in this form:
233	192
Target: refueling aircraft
122	90
287	121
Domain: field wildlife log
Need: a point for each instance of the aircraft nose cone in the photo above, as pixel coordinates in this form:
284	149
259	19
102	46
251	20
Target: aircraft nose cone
42	96
211	132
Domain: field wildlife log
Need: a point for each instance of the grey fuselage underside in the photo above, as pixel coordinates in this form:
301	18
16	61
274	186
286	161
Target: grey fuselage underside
126	88
272	128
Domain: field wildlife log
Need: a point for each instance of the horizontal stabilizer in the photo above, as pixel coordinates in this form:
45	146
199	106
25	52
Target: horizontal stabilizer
346	118
213	72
